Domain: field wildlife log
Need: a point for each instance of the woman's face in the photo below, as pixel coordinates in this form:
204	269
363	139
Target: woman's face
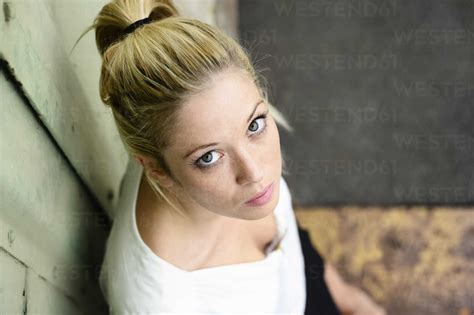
224	151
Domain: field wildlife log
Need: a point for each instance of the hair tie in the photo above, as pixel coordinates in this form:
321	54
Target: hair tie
136	24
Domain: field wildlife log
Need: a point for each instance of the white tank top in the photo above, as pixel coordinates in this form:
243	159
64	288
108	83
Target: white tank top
136	280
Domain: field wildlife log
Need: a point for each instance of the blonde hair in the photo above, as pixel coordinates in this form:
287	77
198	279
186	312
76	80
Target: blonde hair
147	74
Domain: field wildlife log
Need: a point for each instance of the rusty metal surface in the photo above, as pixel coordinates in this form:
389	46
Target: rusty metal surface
410	260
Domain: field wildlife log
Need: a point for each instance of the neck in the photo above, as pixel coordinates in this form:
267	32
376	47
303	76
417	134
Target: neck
198	224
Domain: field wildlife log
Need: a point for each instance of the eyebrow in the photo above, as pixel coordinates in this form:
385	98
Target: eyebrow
216	143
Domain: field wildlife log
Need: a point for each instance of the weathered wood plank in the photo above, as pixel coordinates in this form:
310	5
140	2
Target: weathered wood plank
35	44
48	220
12	284
43	298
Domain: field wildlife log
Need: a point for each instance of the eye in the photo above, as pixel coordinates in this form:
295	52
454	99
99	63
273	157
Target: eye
205	161
263	119
207	158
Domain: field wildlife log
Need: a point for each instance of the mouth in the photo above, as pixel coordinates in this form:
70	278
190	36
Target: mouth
261	196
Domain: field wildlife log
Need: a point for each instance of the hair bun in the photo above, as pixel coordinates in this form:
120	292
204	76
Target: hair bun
117	15
162	10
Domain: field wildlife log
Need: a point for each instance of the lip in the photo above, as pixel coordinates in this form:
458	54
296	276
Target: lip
262	197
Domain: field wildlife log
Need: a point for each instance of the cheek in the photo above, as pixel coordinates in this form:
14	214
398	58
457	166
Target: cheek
206	187
273	139
210	190
213	200
273	155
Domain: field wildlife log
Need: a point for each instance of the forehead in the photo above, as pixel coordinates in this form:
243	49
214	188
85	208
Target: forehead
224	104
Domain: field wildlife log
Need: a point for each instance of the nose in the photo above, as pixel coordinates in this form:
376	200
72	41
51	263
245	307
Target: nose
249	168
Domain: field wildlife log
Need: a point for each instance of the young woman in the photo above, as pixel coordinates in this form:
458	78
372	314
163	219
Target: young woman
205	222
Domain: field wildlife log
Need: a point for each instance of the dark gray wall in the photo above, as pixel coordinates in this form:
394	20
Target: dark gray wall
380	94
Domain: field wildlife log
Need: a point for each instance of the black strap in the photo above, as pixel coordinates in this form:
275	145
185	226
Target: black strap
136	24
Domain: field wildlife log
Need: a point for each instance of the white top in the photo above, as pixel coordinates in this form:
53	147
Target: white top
136	280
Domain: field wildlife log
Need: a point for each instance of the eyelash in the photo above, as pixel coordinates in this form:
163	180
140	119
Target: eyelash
264	115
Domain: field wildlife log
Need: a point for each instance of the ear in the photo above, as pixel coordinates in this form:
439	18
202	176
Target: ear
154	171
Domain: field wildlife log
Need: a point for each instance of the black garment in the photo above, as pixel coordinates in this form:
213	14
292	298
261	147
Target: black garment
318	298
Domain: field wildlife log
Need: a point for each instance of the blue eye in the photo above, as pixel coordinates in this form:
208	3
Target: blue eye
207	158
264	117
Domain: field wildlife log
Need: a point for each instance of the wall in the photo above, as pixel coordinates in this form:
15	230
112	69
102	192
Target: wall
381	93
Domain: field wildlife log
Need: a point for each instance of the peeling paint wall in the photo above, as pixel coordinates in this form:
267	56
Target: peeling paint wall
62	159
